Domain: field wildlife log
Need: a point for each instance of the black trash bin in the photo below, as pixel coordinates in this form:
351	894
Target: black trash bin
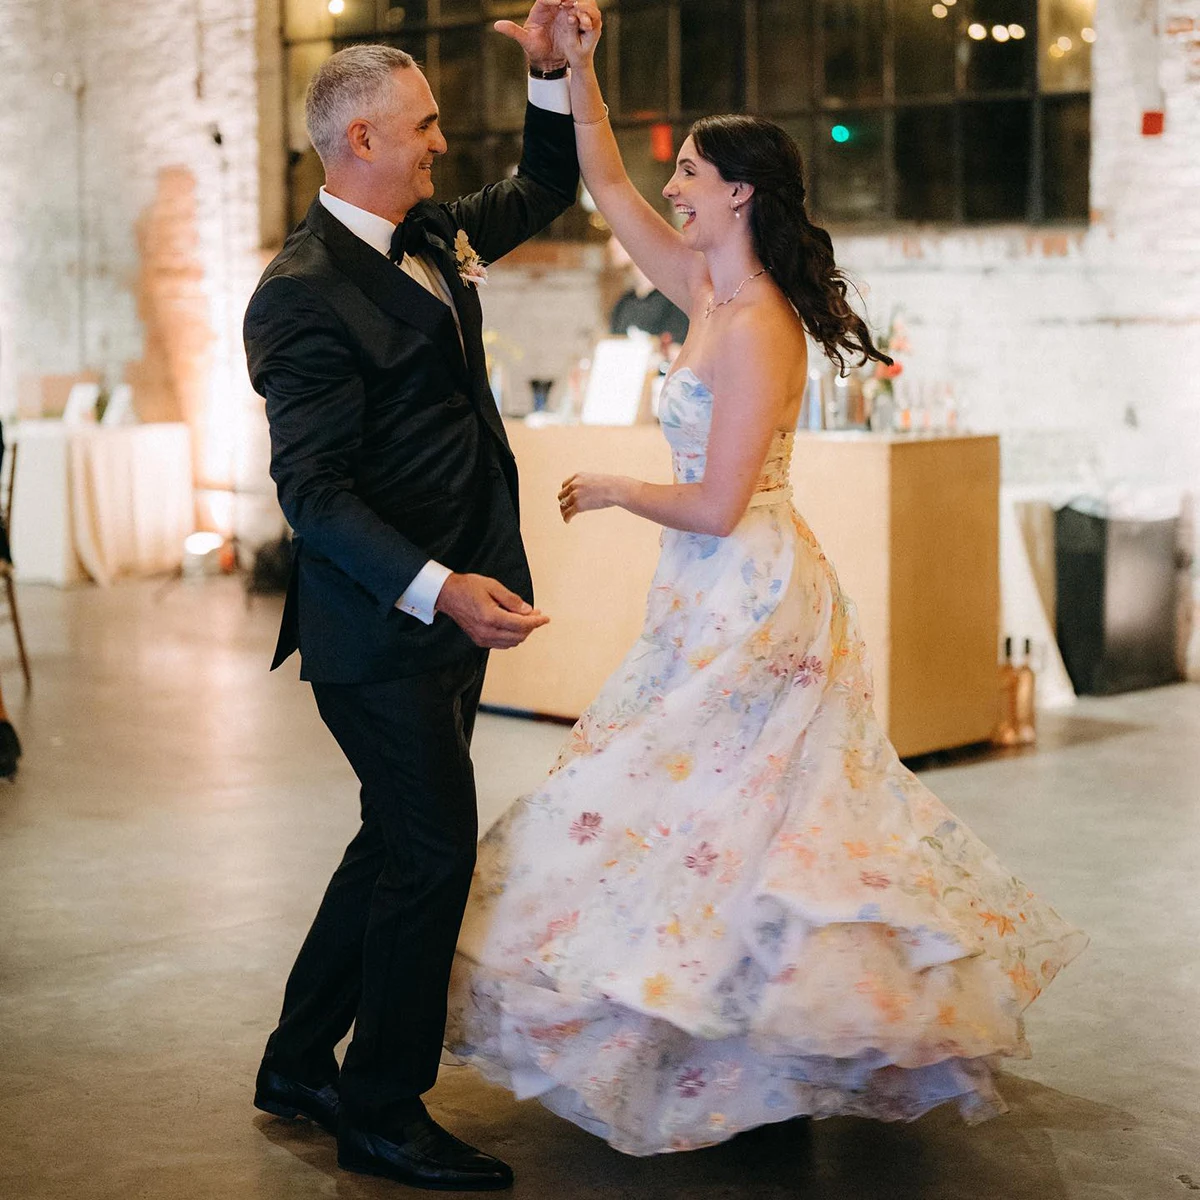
1116	605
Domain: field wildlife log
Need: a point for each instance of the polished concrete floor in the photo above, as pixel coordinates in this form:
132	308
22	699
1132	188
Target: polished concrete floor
178	811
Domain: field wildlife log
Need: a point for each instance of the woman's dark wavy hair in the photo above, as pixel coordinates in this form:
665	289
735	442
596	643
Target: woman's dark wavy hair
797	253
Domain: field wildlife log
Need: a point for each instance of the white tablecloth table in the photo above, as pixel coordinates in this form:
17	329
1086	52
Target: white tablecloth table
95	502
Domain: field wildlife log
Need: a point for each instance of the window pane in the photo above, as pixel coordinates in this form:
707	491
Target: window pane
800	129
460	8
507	88
306	19
643	53
649	176
712	55
924	48
459	171
398	13
853	49
457	86
999	59
1066	45
357	18
924	150
1066	139
996	144
851	168
784	54
302	63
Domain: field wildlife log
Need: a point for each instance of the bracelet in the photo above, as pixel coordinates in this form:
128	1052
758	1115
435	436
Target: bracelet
553	73
597	121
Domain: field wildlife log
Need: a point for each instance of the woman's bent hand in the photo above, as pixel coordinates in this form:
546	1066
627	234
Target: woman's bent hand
586	493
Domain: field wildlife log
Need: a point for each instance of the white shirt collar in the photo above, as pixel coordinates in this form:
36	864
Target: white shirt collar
375	230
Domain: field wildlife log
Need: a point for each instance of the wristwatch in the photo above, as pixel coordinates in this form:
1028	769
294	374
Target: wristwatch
553	73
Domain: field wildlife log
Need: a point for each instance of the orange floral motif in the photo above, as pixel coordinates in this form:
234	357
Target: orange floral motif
947	1014
679	767
656	990
1023	978
857	849
1004	925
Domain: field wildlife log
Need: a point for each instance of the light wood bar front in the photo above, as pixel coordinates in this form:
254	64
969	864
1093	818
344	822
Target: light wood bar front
911	524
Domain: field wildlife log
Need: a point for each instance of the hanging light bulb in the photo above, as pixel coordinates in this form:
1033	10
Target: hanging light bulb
977	31
1016	32
1000	33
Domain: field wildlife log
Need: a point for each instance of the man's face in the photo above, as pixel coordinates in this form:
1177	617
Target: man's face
405	138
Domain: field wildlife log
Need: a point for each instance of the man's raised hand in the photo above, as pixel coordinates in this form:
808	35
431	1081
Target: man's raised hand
536	36
487	612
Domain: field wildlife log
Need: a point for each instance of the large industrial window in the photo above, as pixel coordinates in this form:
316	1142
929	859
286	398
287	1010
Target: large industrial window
952	112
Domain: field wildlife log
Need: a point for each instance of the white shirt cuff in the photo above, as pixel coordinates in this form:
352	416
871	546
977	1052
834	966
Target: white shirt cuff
554	95
421	595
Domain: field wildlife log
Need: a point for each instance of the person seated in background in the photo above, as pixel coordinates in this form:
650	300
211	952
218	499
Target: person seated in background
642	306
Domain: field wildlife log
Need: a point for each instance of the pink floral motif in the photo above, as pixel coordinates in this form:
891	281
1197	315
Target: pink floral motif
875	879
586	827
809	670
691	1083
701	860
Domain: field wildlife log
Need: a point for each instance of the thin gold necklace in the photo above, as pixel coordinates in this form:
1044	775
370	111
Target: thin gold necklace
711	308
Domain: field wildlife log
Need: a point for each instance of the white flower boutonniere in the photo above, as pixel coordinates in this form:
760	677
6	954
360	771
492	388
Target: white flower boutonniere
471	268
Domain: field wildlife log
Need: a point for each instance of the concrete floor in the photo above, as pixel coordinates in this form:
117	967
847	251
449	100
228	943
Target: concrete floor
179	809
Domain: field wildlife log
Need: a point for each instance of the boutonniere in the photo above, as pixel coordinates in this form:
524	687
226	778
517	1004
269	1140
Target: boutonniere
471	268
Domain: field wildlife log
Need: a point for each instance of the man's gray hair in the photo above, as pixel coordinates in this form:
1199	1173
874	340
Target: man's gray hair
351	83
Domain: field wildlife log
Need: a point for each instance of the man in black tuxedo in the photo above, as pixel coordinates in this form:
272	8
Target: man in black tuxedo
394	472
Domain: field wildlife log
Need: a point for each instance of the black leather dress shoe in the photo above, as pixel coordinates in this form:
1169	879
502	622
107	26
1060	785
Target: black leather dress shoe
421	1154
284	1097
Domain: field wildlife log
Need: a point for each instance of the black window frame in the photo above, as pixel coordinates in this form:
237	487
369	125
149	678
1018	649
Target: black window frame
491	136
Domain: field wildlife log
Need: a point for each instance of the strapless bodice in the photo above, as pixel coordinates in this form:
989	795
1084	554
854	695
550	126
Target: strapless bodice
685	413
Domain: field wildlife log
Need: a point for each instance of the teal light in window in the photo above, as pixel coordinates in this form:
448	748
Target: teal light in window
840	133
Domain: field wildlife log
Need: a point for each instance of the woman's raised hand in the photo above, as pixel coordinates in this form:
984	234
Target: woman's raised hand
580	25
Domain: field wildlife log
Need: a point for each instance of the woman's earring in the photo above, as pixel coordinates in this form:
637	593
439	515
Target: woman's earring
737	211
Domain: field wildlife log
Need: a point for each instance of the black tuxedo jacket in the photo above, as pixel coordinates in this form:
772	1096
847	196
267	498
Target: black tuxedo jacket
386	446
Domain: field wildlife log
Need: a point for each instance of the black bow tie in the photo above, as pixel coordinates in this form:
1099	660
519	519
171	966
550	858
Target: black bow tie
410	237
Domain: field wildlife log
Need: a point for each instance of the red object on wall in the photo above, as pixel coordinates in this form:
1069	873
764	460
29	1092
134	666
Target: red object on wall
1152	124
662	143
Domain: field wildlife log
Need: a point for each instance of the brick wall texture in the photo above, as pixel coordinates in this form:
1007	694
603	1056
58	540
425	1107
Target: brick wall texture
130	238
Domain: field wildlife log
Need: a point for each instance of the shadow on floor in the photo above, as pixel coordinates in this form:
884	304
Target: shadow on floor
937	1158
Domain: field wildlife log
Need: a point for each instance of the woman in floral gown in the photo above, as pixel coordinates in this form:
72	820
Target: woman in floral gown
730	904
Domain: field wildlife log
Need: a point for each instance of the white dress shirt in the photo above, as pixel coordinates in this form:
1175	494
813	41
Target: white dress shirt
421	595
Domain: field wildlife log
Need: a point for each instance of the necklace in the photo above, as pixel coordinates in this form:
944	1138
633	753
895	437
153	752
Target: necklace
711	308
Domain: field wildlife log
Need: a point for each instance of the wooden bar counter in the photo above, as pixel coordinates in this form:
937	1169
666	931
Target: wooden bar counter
911	524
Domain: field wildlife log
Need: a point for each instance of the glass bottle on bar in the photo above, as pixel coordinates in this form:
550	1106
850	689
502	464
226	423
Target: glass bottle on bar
1007	730
1026	703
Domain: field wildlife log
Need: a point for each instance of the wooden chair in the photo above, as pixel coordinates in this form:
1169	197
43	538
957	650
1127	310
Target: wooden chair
6	566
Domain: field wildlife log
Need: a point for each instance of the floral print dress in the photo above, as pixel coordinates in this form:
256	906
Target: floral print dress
729	903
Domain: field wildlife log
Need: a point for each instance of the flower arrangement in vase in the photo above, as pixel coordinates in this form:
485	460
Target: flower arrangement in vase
879	385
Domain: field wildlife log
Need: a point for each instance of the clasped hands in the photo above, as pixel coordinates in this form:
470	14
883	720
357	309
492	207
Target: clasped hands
556	32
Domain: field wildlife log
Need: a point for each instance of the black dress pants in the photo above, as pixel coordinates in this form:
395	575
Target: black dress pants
381	946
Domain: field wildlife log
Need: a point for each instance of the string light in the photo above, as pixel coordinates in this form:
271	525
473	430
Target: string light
940	11
1016	31
977	31
1000	33
337	7
1056	51
1064	43
1088	35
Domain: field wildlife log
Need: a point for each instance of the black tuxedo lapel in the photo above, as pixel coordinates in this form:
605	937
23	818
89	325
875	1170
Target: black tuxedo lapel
470	316
392	289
